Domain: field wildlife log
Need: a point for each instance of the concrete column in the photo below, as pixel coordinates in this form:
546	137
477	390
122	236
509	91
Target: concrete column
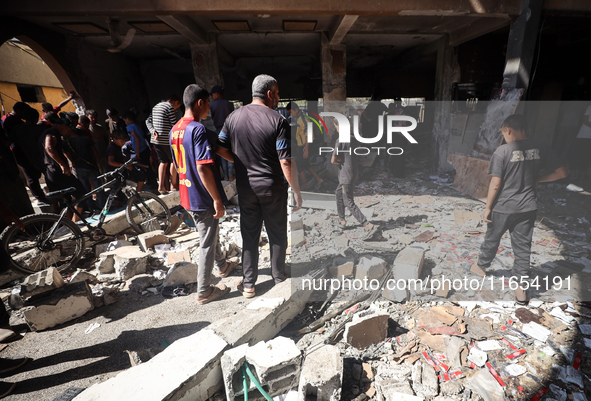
206	65
447	73
334	71
521	45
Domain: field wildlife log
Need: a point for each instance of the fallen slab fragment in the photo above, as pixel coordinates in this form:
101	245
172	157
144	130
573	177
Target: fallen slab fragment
148	240
189	369
81	275
322	375
42	281
368	330
424	380
392	382
125	262
297	238
58	306
255	325
181	273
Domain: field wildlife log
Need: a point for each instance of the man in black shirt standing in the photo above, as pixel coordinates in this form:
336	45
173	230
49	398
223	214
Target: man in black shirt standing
259	140
511	203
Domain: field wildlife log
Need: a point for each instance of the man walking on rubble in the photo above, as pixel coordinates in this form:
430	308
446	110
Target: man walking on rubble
259	139
200	189
511	202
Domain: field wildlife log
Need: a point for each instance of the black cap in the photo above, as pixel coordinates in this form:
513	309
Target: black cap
217	89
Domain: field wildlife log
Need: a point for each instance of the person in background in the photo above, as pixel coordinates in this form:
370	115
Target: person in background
48	107
258	139
220	108
100	138
113	121
511	203
159	123
116	157
200	189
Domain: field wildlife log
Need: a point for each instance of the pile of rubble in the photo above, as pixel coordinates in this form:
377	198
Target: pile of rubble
149	263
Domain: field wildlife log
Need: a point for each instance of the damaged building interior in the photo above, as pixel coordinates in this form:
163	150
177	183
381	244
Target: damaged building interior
459	67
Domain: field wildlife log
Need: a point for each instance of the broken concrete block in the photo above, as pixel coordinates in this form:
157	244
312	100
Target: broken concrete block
372	269
408	264
343	269
391	382
368	330
110	246
181	273
42	281
178	256
148	240
297	238
341	241
140	282
275	363
424	380
58	306
81	275
322	375
125	262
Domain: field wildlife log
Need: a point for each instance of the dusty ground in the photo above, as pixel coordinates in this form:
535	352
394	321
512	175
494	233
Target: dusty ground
65	357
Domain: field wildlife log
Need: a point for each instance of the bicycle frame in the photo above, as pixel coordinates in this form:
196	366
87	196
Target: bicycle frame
116	185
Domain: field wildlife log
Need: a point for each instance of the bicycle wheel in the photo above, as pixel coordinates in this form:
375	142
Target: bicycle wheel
32	250
146	212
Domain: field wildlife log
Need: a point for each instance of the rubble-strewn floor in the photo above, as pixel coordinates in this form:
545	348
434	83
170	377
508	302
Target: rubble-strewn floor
449	329
65	357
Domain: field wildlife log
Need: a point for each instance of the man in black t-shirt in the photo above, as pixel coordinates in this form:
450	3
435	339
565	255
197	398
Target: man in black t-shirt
511	202
259	139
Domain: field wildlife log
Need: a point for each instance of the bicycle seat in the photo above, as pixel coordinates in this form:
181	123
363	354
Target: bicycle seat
60	193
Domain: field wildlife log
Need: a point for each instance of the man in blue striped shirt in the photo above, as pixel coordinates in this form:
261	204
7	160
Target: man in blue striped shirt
259	139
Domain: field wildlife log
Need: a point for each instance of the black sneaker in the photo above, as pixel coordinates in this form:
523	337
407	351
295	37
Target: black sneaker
8	365
6	388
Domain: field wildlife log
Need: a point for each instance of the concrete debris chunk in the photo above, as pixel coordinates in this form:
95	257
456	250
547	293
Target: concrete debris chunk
370	269
125	262
58	306
424	380
485	385
343	269
42	281
368	330
322	375
173	257
408	264
275	363
477	357
181	273
391	381
82	275
140	282
148	240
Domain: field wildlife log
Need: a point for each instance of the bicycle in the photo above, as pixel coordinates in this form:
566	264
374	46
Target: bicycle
53	240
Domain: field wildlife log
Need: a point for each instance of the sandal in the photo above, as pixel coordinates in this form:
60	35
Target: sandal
214	293
246	292
229	268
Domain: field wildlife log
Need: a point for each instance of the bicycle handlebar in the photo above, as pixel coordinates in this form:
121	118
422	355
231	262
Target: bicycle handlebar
120	168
